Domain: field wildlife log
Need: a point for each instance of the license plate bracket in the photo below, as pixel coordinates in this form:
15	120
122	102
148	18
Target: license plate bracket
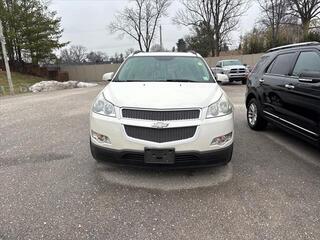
159	156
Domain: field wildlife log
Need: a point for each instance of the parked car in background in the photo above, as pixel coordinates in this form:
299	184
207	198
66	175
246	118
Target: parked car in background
233	68
162	109
248	67
221	78
284	88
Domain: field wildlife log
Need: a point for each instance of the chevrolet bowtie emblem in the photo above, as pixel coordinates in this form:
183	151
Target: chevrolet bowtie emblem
160	125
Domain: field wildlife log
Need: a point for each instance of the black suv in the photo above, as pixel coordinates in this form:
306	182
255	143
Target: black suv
284	88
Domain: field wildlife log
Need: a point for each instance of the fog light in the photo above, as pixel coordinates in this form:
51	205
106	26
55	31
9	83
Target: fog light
222	139
100	138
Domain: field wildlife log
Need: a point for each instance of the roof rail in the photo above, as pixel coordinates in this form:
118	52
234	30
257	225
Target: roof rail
193	52
293	45
136	52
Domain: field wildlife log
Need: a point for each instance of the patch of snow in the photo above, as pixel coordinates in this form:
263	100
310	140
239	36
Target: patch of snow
46	86
85	84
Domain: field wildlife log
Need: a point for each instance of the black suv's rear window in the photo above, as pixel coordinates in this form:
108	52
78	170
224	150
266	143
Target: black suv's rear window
307	62
282	64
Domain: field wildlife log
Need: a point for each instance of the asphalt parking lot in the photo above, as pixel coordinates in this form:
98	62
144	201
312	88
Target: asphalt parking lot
51	188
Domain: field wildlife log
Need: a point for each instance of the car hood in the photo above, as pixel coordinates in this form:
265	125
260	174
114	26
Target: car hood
233	66
162	95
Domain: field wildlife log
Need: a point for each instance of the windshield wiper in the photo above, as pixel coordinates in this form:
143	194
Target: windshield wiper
128	81
180	80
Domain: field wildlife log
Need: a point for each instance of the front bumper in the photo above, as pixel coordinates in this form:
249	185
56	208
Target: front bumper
182	159
196	150
207	130
237	76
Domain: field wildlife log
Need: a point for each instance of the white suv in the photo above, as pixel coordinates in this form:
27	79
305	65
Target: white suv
162	109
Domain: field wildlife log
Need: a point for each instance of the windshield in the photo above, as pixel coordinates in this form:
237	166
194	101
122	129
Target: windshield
164	69
231	63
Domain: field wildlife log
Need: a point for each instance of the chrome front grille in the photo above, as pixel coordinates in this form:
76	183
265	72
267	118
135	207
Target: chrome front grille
238	70
161	115
160	135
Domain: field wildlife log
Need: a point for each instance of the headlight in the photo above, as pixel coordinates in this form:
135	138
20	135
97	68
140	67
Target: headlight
221	108
103	107
225	72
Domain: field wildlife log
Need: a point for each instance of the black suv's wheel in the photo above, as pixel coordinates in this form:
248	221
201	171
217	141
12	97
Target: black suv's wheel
255	121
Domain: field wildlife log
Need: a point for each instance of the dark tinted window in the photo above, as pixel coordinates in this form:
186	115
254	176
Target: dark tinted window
282	64
260	64
307	62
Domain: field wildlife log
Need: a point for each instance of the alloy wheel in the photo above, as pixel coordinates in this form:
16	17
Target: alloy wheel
252	114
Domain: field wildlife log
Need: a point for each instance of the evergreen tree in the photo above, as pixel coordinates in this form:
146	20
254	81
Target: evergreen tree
200	41
181	45
31	29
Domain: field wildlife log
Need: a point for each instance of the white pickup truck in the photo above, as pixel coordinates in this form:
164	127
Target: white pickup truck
231	70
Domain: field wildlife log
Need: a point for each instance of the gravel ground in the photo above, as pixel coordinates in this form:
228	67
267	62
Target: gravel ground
51	188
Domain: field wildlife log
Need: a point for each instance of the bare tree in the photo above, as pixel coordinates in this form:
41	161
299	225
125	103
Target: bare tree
197	14
274	14
226	16
74	54
156	48
219	17
128	52
307	11
140	20
97	57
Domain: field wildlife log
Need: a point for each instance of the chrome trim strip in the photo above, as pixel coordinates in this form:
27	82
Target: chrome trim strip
279	118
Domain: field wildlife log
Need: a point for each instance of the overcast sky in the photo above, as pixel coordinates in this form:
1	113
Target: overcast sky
85	23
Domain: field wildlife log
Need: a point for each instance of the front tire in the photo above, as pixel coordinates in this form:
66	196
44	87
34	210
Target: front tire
254	118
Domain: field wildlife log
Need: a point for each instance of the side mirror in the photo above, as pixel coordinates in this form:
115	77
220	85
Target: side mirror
108	76
309	77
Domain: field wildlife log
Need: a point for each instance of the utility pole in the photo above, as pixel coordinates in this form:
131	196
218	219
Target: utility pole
161	44
5	58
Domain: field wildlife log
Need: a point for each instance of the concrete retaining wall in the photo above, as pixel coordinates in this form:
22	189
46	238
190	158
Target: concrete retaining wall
251	59
89	73
93	73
